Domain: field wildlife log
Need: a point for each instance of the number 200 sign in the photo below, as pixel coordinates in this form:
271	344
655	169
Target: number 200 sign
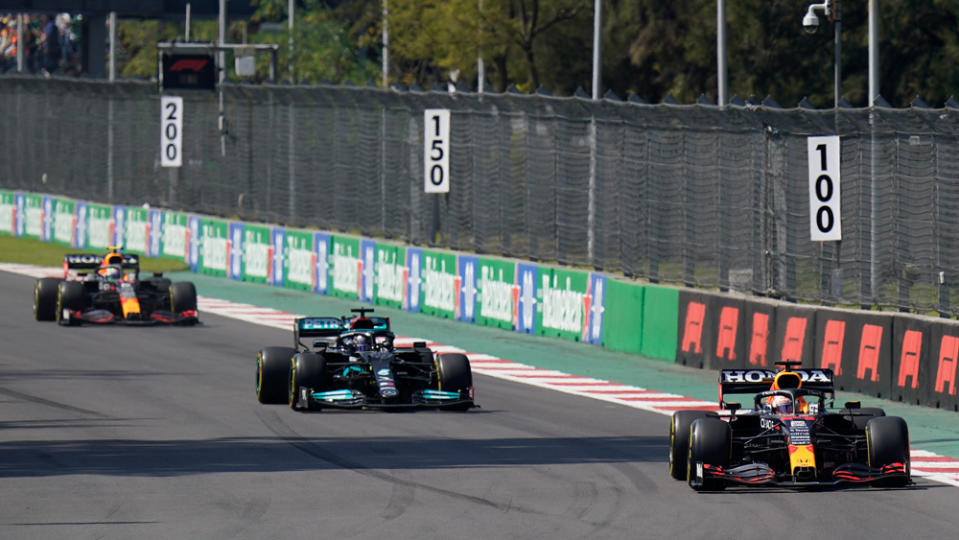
436	150
825	215
171	131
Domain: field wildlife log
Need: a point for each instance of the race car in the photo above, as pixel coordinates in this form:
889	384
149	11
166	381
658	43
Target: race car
790	437
108	289
352	363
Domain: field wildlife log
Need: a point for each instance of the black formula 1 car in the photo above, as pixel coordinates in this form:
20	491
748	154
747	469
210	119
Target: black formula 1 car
108	289
353	363
789	438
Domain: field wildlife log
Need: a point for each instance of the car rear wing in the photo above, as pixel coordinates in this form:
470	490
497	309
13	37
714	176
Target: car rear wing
751	381
319	327
82	263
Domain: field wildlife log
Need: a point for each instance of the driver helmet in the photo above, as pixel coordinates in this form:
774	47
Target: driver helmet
786	379
780	404
111	272
362	342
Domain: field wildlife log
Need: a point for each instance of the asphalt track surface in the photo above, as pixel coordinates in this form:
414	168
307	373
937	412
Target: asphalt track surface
123	432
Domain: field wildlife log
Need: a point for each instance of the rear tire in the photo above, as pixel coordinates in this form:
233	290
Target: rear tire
272	374
453	374
679	440
887	442
306	370
710	441
45	299
71	295
182	297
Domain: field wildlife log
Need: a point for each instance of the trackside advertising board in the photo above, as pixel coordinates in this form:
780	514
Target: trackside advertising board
234	268
213	247
64	221
136	237
346	267
321	266
497	294
173	242
8	212
368	270
99	226
389	282
257	253
564	299
299	260
440	284
33	216
466	288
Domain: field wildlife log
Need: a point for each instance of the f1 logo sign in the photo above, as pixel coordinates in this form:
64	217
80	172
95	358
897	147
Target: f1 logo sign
171	131
825	222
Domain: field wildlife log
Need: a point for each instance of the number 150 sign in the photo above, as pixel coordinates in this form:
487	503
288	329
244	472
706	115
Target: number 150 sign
825	214
436	150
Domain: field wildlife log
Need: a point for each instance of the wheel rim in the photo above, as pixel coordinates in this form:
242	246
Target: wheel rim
291	388
259	374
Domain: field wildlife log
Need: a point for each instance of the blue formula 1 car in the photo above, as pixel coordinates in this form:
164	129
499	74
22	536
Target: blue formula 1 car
352	363
790	437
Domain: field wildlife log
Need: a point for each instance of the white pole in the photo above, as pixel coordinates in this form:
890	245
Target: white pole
19	42
187	22
480	67
597	45
873	52
113	46
386	45
721	52
291	9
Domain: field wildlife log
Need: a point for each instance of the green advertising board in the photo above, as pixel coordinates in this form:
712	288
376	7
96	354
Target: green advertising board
99	226
497	292
214	255
623	316
561	296
345	261
389	283
64	220
8	211
173	240
438	293
298	260
33	216
136	231
660	322
256	253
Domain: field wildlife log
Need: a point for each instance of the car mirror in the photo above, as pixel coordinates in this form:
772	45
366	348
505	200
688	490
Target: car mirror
853	404
732	406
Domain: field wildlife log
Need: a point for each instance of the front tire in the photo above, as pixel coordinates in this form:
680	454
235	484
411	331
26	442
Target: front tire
307	370
453	374
272	371
887	442
71	295
182	297
710	441
679	440
45	299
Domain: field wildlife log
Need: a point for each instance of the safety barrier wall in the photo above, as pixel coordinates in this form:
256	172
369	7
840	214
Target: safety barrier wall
889	355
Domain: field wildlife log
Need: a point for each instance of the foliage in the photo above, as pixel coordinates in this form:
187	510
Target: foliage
30	251
649	47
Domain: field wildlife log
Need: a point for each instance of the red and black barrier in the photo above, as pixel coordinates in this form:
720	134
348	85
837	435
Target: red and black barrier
888	355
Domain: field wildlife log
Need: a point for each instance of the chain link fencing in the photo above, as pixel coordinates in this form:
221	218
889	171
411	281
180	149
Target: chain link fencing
686	194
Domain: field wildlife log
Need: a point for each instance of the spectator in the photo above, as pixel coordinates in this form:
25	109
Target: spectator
50	45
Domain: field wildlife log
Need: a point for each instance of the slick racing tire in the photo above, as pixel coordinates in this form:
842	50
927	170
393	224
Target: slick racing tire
71	295
45	299
307	370
182	297
887	442
679	440
453	374
710	441
272	374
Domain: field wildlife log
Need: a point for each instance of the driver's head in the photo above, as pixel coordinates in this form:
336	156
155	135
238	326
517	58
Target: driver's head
362	342
781	404
111	272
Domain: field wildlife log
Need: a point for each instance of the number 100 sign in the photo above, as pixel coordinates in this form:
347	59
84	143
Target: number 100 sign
436	150
825	213
171	131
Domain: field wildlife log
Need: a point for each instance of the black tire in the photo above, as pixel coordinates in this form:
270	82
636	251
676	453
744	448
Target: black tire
71	295
182	297
887	442
45	299
272	374
453	374
306	370
679	440
710	441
